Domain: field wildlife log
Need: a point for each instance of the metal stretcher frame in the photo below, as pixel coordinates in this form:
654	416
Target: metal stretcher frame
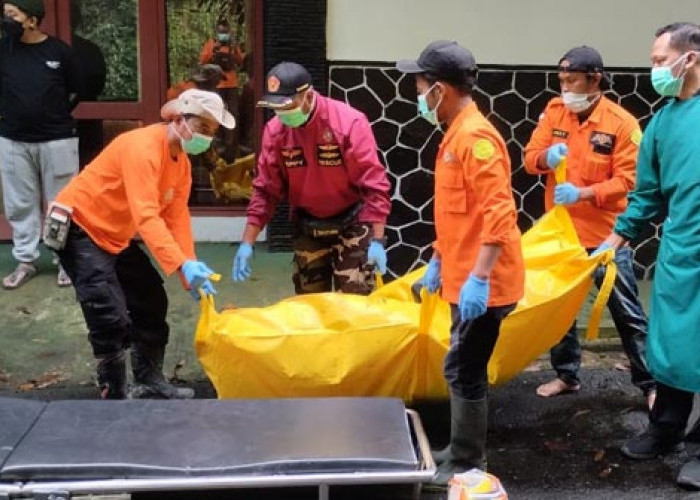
65	490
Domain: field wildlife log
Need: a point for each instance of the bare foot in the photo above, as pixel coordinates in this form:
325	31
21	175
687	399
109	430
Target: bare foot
555	387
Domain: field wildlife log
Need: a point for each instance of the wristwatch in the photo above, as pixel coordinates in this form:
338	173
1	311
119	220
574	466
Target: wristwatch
381	241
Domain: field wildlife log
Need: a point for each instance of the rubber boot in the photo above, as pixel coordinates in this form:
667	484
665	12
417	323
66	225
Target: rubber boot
111	376
689	475
441	456
467	448
149	381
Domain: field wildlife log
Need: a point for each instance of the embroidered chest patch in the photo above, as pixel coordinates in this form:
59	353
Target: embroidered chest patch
329	155
293	157
602	142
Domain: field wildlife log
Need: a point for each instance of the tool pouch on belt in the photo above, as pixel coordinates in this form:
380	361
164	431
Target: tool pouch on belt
326	227
56	225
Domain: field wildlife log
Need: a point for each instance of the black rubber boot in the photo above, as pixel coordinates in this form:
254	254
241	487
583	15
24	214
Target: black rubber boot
441	456
149	381
111	376
467	448
689	475
652	443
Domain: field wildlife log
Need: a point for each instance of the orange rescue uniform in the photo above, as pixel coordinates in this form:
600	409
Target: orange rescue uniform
206	56
177	89
474	206
136	187
602	155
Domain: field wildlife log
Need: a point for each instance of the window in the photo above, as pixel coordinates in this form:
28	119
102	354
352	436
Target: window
104	37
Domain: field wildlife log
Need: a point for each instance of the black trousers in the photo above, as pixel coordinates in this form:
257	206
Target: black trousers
669	416
471	345
122	296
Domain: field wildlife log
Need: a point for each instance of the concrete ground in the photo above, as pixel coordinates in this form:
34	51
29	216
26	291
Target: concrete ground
565	447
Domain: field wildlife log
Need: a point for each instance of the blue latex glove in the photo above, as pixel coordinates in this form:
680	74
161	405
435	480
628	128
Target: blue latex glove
377	255
241	269
555	154
566	194
431	278
602	248
473	298
196	275
206	287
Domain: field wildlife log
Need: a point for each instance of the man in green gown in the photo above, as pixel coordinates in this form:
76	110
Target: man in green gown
668	184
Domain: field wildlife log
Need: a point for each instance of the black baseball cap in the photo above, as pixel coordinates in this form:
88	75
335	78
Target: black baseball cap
443	60
283	82
583	59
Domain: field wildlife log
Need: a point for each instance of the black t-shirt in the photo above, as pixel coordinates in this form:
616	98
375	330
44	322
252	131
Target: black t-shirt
36	81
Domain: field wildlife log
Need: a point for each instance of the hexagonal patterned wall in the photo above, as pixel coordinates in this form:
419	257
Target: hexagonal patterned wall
512	99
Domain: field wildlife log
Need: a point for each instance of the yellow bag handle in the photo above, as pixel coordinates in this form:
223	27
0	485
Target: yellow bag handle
428	304
560	171
379	281
601	299
206	302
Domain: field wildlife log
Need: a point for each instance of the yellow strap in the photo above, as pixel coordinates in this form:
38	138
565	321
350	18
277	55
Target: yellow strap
378	280
603	295
208	311
560	171
429	302
206	302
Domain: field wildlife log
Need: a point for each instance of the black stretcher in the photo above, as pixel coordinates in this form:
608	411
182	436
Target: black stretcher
61	449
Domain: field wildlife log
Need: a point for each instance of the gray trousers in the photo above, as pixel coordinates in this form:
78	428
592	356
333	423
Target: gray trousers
33	172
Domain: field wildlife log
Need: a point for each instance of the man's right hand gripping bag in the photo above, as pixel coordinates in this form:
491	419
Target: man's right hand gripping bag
333	344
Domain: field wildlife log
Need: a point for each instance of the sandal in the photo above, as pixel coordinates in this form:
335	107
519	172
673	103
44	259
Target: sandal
63	280
22	273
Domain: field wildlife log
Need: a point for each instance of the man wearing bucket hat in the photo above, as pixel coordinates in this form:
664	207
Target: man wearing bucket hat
321	156
39	87
600	141
139	184
477	261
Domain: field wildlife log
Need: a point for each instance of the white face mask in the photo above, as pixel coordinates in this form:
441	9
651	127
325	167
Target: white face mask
578	103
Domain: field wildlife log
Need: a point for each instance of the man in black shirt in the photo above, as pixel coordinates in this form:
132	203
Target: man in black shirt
39	85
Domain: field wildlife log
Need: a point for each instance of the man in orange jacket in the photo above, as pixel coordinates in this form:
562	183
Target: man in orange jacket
477	257
226	53
600	141
139	184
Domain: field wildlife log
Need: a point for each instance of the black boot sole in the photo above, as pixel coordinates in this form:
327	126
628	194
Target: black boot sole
649	456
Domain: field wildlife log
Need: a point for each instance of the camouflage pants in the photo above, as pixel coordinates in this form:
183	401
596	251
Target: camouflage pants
320	263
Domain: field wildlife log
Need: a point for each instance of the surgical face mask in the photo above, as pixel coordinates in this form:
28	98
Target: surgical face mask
197	144
664	82
294	117
578	103
223	37
10	28
425	111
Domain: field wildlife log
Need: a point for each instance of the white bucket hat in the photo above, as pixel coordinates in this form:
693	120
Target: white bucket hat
201	103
